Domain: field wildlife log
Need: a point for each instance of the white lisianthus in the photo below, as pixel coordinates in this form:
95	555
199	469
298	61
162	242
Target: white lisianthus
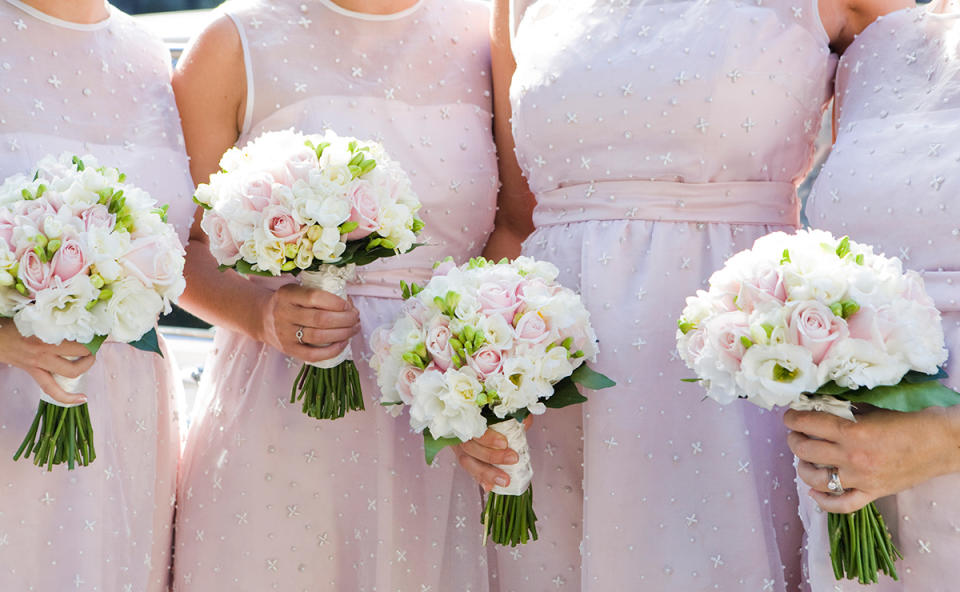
555	365
777	374
132	310
60	314
855	363
328	247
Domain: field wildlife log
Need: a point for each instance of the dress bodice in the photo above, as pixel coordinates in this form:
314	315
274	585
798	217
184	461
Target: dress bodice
893	167
676	91
418	81
100	89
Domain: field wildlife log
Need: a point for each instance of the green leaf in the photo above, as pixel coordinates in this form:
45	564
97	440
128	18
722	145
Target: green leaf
565	393
149	342
591	379
432	446
94	344
906	396
390	403
831	388
690	379
245	268
915	376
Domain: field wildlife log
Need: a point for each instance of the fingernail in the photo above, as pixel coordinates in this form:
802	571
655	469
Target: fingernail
501	481
512	458
486	487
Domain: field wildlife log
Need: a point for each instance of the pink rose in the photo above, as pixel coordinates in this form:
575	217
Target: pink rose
256	189
485	361
299	165
365	211
499	297
407	377
155	261
417	311
813	326
693	344
864	325
34	274
98	216
6	228
438	344
766	286
531	328
223	246
278	223
724	333
69	260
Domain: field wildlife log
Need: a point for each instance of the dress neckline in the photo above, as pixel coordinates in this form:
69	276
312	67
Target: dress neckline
365	16
52	20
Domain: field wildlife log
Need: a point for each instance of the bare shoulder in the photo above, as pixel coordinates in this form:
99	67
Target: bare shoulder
217	46
845	19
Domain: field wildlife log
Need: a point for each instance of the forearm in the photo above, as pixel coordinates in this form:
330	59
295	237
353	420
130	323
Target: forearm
224	299
503	242
949	422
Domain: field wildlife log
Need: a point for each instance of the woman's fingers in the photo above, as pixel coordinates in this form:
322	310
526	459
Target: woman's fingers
71	349
55	364
312	298
316	354
299	316
816	423
851	501
817	477
820	452
493	456
322	337
46	383
487	475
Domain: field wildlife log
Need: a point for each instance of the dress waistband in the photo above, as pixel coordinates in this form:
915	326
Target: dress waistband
385	283
748	202
944	288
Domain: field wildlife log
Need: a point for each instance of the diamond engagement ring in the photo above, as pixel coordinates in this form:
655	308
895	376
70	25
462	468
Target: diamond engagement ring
300	341
834	483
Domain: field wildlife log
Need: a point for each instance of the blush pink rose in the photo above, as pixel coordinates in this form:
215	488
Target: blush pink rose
407	377
153	260
69	260
814	327
438	345
6	228
98	216
485	361
724	333
299	164
34	273
223	246
256	189
532	329
364	210
444	267
499	296
278	223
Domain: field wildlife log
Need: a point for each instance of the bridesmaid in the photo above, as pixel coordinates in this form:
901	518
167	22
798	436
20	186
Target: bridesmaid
657	139
83	77
891	181
269	498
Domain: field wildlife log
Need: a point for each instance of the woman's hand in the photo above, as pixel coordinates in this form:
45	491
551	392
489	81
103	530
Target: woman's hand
882	453
41	361
327	323
478	457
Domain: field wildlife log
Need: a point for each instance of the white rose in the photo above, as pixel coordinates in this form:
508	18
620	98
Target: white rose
555	365
132	310
777	374
497	331
853	363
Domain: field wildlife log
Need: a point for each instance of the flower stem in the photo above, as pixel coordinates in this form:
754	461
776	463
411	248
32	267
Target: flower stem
59	435
861	546
509	519
328	393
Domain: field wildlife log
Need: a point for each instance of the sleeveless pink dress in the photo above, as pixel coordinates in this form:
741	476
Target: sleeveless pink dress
269	498
660	137
892	181
101	89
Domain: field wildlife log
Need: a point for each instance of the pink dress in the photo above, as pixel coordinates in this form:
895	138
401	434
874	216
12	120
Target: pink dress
891	181
269	498
101	89
659	138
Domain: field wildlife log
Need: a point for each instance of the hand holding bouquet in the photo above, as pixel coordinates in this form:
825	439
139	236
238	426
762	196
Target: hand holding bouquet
84	256
816	323
313	206
484	345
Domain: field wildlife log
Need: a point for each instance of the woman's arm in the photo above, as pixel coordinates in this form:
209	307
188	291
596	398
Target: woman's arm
882	453
845	19
514	219
210	87
41	361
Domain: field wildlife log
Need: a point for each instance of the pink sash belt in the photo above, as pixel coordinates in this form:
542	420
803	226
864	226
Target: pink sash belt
749	202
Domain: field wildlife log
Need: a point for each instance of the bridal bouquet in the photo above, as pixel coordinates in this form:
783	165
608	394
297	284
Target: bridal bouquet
813	322
314	206
84	256
484	345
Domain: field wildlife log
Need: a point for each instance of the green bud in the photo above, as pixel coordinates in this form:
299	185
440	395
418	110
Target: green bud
356	160
41	189
843	249
348	227
122	177
468	333
97	281
417	225
41	253
745	341
78	163
837	309
421	350
457	360
21	288
685	326
290	250
413	359
859	259
106	294
352	146
786	257
354	170
39	240
52	246
387	244
288	265
26	194
567	343
89	306
367	165
849	308
404	290
516	318
578	354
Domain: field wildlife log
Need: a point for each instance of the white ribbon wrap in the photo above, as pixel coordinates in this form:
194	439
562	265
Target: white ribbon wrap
71	385
522	472
332	279
826	404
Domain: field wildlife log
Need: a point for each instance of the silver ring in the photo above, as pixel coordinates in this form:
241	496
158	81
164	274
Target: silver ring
834	484
300	335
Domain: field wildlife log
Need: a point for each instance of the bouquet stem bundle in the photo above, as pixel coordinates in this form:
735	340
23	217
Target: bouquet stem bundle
59	435
861	546
328	393
510	519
